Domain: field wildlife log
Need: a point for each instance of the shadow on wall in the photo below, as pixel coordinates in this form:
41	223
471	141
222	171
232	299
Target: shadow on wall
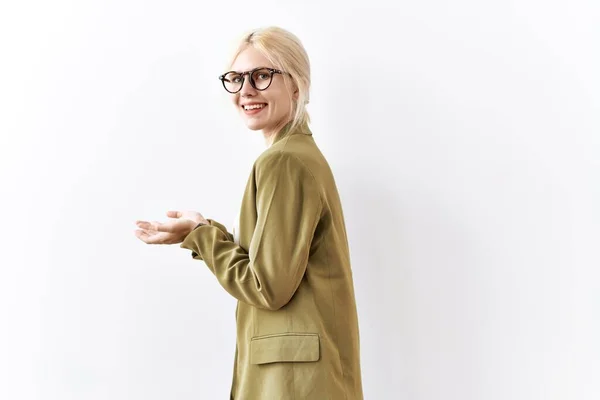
382	282
412	252
410	258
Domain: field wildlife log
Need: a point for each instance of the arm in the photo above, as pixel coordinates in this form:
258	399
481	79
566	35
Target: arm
222	228
288	207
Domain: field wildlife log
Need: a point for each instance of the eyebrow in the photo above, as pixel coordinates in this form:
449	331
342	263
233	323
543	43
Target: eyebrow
239	72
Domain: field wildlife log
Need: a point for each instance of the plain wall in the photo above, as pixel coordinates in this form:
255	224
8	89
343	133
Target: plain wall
465	140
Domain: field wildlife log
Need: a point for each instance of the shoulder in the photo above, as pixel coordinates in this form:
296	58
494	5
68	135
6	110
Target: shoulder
295	149
277	164
275	159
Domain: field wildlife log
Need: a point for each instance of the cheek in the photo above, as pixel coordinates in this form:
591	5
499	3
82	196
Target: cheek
234	99
279	101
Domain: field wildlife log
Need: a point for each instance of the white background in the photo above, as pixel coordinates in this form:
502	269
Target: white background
465	141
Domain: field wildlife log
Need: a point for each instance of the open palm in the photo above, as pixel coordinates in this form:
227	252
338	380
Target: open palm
170	232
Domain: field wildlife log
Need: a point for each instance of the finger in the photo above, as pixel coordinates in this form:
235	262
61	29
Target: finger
144	225
152	227
142	235
174	214
151	238
160	227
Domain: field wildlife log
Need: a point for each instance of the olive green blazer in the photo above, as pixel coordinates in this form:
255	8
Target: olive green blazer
297	326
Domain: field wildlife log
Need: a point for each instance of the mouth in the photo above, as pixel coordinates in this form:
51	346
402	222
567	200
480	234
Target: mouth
254	108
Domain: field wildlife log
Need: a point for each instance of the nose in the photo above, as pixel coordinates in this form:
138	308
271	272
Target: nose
247	90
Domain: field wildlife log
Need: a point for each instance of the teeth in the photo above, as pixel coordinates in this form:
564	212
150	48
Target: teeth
253	106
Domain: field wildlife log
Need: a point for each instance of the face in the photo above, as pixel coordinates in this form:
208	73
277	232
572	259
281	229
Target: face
271	107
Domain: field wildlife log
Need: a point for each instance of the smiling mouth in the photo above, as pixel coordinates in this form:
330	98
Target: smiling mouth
254	107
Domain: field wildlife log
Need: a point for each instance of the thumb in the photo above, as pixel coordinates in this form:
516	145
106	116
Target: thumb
174	214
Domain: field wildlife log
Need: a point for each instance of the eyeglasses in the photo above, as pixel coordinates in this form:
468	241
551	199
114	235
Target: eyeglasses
260	79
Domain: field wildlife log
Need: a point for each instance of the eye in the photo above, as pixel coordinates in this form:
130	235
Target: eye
233	77
262	75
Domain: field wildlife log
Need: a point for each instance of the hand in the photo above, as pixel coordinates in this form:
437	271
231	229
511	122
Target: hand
172	231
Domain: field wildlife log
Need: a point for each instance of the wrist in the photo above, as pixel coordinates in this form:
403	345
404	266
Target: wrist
200	223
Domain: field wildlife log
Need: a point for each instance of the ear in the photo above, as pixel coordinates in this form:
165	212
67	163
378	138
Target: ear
296	94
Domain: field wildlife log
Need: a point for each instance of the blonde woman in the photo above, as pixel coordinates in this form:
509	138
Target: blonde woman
287	262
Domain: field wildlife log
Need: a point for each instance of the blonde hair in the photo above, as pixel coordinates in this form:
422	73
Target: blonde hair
285	51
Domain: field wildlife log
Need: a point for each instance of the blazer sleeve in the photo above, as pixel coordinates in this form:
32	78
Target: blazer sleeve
222	227
288	206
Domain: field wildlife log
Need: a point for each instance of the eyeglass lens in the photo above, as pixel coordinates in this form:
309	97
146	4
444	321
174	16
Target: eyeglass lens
260	80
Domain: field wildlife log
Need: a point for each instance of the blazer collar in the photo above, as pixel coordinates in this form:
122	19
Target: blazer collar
301	129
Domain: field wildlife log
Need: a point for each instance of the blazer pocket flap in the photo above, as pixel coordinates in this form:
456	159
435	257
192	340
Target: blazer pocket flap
285	347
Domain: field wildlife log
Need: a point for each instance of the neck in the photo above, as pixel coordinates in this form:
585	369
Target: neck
270	134
268	140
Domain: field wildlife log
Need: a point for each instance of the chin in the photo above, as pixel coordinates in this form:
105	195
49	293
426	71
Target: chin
254	125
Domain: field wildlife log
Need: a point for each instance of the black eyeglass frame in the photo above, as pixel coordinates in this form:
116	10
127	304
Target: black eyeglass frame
250	73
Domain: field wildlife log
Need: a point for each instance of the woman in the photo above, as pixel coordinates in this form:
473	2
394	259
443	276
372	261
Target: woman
288	262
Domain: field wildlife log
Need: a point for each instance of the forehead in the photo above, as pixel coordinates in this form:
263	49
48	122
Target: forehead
248	59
